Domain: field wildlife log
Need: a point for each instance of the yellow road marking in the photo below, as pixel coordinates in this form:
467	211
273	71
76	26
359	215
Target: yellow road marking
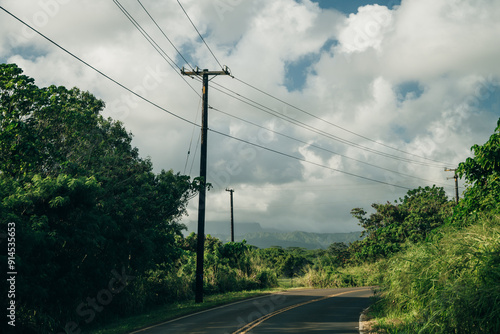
255	323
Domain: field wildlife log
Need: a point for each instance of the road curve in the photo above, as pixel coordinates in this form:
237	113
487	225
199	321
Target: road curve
297	311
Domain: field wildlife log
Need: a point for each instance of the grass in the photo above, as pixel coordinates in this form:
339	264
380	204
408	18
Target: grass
290	283
368	274
448	285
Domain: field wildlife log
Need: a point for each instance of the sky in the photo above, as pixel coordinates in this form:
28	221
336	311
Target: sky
331	105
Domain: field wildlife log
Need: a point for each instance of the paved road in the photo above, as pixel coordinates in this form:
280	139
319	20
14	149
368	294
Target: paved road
298	311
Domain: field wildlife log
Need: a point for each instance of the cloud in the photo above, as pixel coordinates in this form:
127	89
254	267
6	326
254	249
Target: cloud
420	78
366	29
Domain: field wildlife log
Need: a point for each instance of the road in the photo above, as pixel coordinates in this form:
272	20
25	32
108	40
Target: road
297	311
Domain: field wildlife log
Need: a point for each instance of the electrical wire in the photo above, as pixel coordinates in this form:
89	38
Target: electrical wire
155	45
306	161
335	125
286	103
303	125
98	71
190	122
165	35
151	41
195	152
192	136
194	26
325	149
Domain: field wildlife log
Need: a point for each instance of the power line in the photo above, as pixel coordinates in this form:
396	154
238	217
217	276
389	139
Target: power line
307	161
161	30
152	42
324	149
303	125
98	71
190	122
192	136
194	26
335	125
195	151
296	122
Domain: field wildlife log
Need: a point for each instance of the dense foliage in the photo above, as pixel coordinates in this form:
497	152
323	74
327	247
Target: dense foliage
482	174
437	265
410	219
451	283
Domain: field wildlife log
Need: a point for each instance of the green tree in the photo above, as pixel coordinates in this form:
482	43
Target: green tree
51	130
339	251
482	174
286	263
411	218
84	202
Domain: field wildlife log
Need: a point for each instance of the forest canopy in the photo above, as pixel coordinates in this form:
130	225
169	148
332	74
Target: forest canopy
84	203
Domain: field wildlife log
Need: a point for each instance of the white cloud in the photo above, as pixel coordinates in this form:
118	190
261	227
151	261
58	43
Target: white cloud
366	29
422	78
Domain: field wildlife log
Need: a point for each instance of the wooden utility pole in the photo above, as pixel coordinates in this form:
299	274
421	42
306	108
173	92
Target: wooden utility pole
456	181
232	217
200	247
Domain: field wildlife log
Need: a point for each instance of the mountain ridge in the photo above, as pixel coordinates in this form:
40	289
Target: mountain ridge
308	240
260	237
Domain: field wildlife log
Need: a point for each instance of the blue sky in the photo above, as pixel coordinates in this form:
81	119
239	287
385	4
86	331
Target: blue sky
297	71
351	6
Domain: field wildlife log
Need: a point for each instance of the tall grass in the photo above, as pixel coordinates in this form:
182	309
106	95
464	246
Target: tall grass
448	285
368	274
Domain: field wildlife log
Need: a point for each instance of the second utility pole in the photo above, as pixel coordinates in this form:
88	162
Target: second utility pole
232	217
456	182
200	246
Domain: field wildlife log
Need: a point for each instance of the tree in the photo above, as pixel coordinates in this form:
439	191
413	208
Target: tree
340	252
411	218
84	202
285	263
51	130
482	174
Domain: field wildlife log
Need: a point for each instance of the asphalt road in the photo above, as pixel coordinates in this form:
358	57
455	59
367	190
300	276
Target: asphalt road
297	311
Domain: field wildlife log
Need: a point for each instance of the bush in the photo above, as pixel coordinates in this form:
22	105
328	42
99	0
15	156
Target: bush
267	279
336	277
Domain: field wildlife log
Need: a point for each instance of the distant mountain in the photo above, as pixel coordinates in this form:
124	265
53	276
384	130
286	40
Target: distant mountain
294	239
255	235
224	228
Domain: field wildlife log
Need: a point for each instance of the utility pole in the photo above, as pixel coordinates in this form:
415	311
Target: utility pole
232	217
200	247
456	181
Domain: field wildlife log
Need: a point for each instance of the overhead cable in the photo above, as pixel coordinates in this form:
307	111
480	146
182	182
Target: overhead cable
324	149
308	127
194	26
155	45
190	122
307	161
98	71
165	35
335	125
304	125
